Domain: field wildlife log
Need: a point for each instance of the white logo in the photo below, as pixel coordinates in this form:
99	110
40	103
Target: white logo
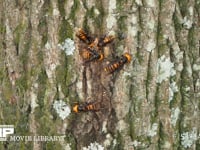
6	130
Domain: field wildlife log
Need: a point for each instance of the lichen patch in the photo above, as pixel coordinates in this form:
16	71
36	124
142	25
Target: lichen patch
175	115
165	69
189	138
62	109
111	20
67	46
150	45
187	23
172	89
153	130
94	146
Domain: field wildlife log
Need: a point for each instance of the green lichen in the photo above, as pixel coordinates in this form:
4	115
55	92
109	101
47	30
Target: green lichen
18	32
2	68
99	19
21	126
131	126
175	100
162	46
185	82
122	19
47	7
183	5
27	45
122	23
193	42
2	29
198	143
69	76
1	75
85	24
130	116
21	84
22	145
85	20
61	74
162	136
138	54
61	7
191	38
42	80
161	4
46	11
8	109
176	145
183	126
74	8
177	23
177	97
65	31
18	145
6	88
64	76
121	5
43	30
40	58
90	12
70	139
51	146
119	142
156	102
149	77
197	6
47	127
178	27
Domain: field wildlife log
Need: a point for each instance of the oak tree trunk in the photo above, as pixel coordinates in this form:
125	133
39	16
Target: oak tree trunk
151	103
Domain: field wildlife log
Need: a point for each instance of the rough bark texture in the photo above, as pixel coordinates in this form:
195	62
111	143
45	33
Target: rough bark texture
152	103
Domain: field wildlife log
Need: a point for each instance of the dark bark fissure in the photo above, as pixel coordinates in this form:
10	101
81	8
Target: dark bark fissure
100	93
26	29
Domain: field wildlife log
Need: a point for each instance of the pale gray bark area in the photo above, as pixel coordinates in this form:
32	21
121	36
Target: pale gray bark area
152	103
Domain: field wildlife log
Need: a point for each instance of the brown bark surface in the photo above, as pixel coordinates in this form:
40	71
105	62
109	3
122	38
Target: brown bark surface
151	103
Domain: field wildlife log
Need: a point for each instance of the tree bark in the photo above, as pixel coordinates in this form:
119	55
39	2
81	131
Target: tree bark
152	103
